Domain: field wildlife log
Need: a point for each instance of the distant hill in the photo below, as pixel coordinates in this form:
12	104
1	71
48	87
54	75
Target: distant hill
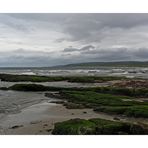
88	65
103	64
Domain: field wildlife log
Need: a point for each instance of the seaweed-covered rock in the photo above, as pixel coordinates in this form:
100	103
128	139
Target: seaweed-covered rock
74	127
97	127
71	105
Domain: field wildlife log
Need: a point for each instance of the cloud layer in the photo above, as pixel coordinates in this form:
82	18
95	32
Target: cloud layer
52	39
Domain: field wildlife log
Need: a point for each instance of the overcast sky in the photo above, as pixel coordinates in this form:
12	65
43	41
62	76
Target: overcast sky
55	39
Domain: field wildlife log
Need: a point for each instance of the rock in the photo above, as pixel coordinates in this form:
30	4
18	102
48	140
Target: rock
16	126
57	102
52	95
49	130
70	105
45	124
116	118
35	122
84	112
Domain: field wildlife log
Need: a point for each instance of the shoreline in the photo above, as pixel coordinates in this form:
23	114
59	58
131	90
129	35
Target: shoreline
38	111
39	119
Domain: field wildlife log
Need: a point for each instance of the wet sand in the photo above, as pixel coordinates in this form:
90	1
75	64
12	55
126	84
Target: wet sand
14	101
40	119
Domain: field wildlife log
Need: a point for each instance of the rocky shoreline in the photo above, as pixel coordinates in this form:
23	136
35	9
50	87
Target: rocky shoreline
40	119
47	106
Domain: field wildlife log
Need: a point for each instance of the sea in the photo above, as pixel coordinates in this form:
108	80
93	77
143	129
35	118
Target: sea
102	71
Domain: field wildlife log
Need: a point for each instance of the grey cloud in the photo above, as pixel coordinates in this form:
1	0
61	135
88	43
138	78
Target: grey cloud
110	19
39	39
142	53
85	48
82	26
70	49
17	24
109	55
22	58
95	55
115	54
106	51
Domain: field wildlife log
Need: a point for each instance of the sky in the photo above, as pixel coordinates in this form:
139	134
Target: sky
48	39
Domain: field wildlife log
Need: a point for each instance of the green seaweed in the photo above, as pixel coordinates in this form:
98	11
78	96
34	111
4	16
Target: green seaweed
97	127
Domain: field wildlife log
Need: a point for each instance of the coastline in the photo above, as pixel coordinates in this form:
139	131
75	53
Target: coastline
40	118
34	113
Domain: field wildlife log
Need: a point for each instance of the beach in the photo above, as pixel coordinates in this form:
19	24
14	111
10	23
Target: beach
35	113
40	118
